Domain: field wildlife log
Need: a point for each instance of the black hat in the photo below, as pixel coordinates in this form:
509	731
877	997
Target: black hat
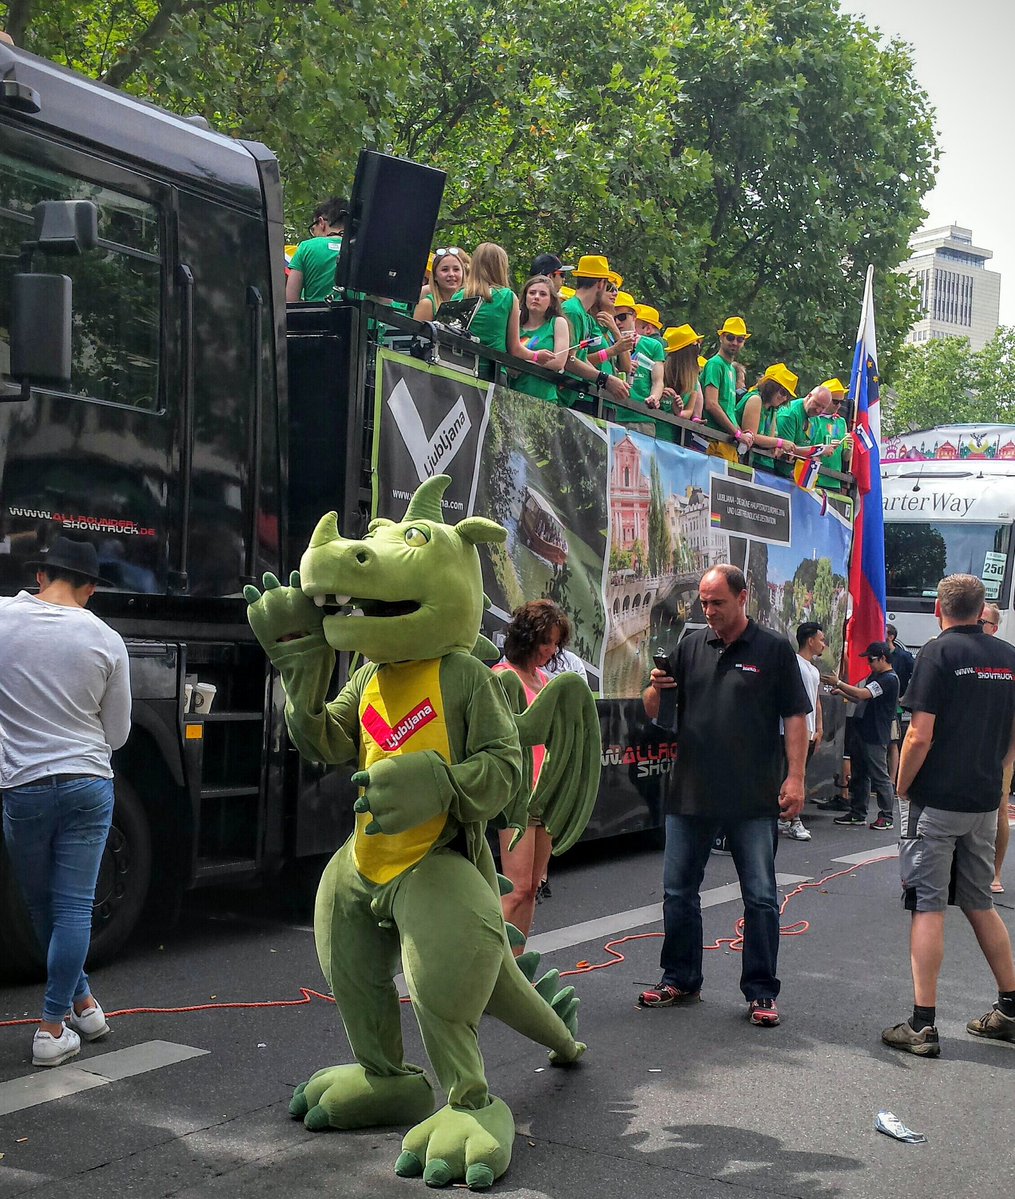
548	264
79	557
877	649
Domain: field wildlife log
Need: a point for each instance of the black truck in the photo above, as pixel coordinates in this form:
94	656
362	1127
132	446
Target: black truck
165	406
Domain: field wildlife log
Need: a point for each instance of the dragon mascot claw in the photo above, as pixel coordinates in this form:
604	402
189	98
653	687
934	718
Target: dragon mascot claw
443	746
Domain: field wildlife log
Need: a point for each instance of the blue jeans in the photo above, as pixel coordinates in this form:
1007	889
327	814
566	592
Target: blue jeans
752	843
55	833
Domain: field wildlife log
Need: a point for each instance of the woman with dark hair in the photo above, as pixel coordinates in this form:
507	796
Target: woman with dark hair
756	412
542	327
537	633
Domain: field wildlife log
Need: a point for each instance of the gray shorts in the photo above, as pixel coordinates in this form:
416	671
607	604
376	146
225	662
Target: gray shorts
946	857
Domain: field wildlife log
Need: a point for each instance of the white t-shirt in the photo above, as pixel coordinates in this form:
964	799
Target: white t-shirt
64	691
569	664
811	677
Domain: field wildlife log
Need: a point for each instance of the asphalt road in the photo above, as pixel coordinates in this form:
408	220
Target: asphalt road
690	1102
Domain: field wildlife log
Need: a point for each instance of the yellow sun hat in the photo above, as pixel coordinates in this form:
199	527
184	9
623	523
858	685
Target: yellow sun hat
566	293
736	326
702	363
592	266
781	374
429	264
625	300
680	337
835	386
648	314
616	280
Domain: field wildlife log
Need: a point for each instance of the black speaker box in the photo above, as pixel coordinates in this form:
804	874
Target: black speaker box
386	243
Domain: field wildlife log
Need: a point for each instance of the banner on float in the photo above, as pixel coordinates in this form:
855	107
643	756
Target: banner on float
615	526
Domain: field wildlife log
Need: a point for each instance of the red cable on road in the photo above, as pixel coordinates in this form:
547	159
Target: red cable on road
735	943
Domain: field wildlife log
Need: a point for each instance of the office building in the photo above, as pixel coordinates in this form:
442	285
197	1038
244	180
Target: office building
958	295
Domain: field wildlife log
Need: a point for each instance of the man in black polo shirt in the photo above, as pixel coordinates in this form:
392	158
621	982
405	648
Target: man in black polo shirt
877	698
962	734
734	682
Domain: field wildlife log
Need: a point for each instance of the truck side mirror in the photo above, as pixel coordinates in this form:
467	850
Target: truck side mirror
66	226
40	330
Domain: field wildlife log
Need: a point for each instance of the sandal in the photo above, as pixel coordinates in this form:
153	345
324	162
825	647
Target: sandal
997	888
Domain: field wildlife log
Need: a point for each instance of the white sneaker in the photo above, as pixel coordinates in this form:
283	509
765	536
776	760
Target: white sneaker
48	1050
795	830
91	1024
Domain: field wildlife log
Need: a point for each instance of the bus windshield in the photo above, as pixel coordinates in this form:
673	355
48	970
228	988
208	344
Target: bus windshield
918	555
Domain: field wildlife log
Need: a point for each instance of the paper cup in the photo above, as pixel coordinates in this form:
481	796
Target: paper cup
204	697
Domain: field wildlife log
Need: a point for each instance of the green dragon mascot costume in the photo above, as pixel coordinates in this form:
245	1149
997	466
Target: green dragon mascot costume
442	744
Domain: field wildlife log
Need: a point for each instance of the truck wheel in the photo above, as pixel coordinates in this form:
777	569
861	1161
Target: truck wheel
20	957
125	875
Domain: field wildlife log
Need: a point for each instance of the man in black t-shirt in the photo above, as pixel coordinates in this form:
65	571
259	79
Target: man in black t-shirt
962	734
734	681
876	699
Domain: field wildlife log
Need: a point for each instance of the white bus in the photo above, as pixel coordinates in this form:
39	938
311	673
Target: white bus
949	504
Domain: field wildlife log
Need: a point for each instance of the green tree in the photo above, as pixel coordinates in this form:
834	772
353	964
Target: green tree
943	382
660	545
824	589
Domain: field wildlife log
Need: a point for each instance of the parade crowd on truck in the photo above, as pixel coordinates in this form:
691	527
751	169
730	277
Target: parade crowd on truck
576	319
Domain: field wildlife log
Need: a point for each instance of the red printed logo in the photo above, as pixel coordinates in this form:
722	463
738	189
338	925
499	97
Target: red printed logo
391	738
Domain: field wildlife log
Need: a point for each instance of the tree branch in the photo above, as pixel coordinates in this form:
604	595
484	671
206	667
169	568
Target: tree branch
128	63
19	16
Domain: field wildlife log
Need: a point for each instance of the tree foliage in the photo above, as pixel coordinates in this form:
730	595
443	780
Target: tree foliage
943	382
745	156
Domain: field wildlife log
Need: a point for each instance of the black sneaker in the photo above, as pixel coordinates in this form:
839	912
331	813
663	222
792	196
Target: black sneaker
832	804
851	819
924	1043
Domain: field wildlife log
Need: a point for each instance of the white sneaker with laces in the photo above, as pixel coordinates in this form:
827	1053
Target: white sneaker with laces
91	1024
795	830
48	1050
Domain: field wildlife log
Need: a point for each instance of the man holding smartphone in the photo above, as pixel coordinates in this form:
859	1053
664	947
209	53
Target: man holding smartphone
734	682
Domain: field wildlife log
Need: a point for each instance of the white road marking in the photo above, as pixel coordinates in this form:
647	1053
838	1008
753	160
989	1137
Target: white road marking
57	1082
868	855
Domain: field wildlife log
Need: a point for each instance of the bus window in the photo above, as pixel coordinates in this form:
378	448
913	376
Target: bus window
919	555
117	287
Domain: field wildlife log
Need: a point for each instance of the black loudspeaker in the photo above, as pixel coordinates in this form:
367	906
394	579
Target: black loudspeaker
386	243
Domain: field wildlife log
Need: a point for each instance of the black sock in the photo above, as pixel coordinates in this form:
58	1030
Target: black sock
1006	1003
922	1016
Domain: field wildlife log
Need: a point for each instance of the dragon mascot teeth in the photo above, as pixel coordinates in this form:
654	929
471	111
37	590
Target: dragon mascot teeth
442	746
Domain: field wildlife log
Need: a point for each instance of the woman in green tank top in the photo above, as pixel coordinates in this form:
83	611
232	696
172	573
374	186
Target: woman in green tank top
543	327
446	277
757	410
681	389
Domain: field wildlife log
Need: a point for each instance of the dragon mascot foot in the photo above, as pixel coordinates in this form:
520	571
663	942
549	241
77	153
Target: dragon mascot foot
347	1097
455	1144
442	745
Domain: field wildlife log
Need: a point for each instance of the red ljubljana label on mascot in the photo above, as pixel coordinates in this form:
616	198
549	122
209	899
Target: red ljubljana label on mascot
389	738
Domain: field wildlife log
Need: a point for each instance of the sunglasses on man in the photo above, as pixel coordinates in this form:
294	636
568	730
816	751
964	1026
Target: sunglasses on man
734	337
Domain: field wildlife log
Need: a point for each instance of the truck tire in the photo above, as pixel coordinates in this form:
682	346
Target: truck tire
125	875
124	878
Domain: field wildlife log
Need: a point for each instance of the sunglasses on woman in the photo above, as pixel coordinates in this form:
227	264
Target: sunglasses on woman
443	253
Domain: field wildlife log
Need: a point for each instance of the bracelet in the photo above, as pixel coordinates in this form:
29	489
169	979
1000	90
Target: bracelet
600	355
601	380
778	443
737	434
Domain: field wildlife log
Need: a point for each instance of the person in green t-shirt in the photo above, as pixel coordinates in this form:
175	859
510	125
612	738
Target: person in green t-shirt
647	371
495	324
447	275
830	429
312	269
796	422
758	408
614	354
591	278
719	387
542	326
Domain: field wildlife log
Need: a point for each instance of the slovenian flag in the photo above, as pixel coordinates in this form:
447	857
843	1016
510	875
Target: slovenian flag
806	473
867	562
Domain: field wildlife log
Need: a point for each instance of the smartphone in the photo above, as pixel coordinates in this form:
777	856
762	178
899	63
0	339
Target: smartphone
662	661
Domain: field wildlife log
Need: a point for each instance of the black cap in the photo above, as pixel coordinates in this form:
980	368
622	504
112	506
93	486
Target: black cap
877	649
548	264
79	557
